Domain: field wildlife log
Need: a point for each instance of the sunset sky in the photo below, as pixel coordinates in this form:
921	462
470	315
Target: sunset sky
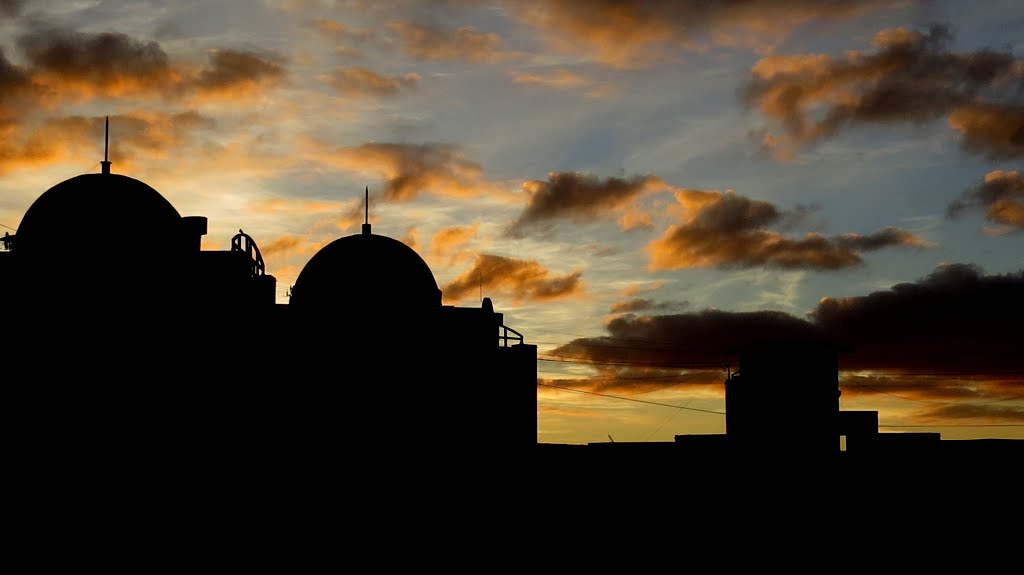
637	185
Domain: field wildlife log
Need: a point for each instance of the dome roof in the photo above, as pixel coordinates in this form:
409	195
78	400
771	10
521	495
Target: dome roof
91	205
366	274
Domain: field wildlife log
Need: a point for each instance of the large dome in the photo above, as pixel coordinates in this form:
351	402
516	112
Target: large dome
85	209
366	274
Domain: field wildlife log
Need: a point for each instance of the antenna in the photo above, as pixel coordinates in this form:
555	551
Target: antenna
106	146
366	222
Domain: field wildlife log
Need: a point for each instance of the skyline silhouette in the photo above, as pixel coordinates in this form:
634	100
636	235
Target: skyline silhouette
638	189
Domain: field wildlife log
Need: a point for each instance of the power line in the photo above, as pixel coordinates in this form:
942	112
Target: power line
961	425
631	399
8	227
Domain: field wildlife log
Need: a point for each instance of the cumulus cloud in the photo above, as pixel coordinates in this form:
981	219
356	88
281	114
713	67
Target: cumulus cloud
66	65
629	33
107	63
956	320
363	82
236	72
580	197
722	229
911	78
466	43
521	280
995	131
1000	195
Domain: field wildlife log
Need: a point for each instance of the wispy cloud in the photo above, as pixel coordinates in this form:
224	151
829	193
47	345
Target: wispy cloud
465	43
634	33
363	82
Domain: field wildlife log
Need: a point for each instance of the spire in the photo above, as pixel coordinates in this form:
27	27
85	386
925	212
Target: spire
366	222
106	146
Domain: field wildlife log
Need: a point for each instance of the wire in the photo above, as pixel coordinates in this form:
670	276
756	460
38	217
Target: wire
961	425
8	227
631	399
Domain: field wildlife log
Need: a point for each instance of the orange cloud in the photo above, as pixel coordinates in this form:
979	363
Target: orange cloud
1000	194
57	139
448	241
560	79
993	130
408	170
726	230
282	245
912	77
980	412
638	32
521	280
362	82
292	206
581	197
466	43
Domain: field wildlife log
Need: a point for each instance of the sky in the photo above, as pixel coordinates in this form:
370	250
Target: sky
638	186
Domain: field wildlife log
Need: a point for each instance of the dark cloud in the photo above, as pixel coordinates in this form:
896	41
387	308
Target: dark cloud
954	321
912	77
11	8
109	62
580	197
521	280
729	231
642	304
363	82
638	380
412	169
706	338
231	72
1000	195
15	85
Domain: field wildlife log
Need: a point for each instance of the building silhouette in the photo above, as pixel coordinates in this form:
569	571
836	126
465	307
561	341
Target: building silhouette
782	414
127	345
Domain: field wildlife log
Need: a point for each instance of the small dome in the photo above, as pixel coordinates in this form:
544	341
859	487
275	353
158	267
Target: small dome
80	210
366	274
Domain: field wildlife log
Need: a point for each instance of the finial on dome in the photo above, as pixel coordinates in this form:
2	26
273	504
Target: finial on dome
366	222
106	144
